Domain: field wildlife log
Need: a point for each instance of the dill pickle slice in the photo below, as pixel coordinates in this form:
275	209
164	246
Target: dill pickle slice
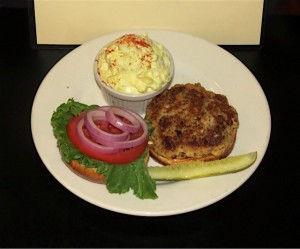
198	169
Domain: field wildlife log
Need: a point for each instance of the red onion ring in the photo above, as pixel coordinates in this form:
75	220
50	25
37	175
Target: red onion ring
117	122
90	144
99	135
137	141
108	143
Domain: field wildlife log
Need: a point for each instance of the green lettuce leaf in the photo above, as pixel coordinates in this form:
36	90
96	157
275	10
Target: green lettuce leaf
119	178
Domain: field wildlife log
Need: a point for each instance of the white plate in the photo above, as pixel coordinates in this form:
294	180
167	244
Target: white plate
196	60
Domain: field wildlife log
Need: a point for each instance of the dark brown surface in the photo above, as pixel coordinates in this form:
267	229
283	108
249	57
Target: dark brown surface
191	122
37	211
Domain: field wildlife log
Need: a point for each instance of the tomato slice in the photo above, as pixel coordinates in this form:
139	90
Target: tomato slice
121	157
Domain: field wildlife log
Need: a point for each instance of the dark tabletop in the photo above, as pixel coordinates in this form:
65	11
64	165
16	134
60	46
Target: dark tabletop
37	211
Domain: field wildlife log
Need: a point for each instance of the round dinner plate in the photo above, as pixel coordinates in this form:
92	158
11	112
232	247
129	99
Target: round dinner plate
196	60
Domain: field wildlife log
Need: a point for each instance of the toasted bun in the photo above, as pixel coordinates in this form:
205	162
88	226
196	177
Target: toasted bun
191	123
86	173
167	161
91	173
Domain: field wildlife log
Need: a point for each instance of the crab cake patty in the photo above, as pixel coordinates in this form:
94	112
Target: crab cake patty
191	123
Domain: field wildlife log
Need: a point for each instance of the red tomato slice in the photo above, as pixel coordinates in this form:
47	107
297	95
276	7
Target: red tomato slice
121	157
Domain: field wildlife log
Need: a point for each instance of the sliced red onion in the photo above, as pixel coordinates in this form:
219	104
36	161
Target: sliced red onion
107	143
111	116
137	141
98	135
91	145
104	107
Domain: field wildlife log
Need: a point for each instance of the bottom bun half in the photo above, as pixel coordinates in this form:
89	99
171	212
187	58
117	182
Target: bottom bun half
169	161
90	173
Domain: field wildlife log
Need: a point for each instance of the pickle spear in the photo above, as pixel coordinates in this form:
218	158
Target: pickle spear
198	169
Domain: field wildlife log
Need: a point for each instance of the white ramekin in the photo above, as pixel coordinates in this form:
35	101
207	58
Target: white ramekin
134	102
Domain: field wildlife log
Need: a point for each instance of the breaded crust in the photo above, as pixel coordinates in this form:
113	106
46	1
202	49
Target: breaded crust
191	123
